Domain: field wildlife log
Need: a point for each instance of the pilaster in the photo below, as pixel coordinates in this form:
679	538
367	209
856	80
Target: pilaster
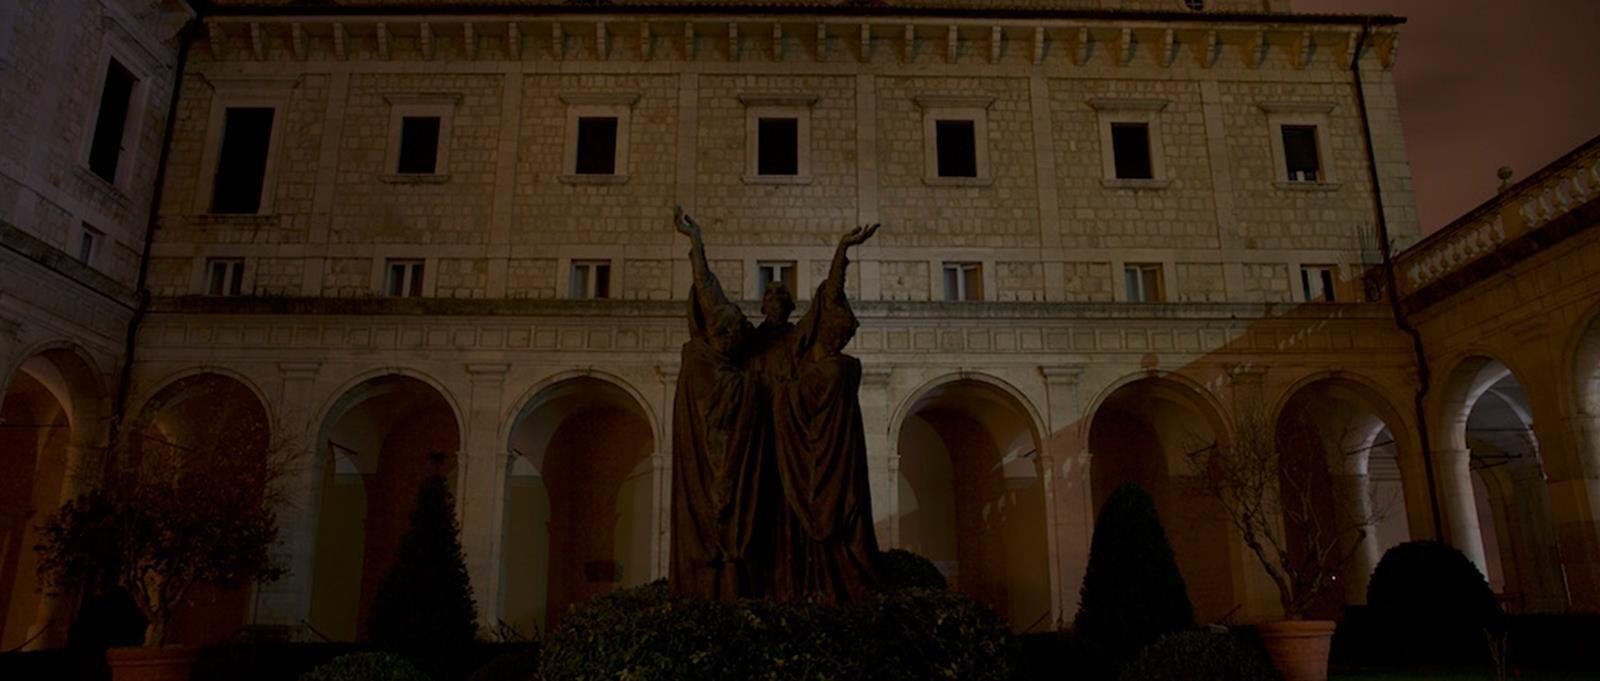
481	490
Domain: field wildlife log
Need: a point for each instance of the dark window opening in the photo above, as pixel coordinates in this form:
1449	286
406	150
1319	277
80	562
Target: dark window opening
419	145
106	148
778	146
597	146
1300	153
1130	144
242	162
957	143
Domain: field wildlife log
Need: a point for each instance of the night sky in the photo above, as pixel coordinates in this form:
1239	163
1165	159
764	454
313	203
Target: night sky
1487	83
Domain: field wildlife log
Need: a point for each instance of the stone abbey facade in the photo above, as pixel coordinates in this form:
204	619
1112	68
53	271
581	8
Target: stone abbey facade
1108	224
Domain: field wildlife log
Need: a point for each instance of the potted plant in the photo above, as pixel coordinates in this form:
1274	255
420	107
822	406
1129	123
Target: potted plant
1282	488
165	517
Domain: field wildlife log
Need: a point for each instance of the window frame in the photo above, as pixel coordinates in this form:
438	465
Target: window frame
1142	267
1328	283
414	281
963	293
937	108
96	239
441	105
759	106
792	281
1301	114
129	142
597	105
1113	111
591	279
243	93
234	276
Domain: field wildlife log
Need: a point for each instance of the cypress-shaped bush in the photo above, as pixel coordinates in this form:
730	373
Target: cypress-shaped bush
424	607
1132	592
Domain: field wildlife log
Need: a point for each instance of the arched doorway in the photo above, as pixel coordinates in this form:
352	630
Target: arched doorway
1493	472
971	499
1347	429
581	508
212	422
51	406
1142	433
376	447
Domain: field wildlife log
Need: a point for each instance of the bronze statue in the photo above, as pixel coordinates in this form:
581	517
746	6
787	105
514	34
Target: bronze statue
769	481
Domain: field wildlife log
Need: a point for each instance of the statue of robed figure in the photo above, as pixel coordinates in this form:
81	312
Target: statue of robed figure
769	470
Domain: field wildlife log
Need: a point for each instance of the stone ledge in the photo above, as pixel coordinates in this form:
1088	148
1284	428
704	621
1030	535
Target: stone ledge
413	178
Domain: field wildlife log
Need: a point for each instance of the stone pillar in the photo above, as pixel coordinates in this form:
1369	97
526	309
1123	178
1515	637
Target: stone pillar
661	473
481	487
1069	503
1454	476
287	601
883	455
1575	512
1356	487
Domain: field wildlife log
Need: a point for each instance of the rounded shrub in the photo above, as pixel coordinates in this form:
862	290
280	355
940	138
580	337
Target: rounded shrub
1200	655
901	569
366	667
647	633
520	665
1132	591
1434	604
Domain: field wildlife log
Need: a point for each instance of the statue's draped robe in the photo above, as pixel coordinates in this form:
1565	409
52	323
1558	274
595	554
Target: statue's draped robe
826	542
722	496
769	471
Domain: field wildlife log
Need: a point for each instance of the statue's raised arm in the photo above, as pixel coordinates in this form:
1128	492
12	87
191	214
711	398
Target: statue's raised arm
708	289
834	285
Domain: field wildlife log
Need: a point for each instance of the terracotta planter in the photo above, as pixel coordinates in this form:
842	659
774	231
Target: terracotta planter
167	663
1298	649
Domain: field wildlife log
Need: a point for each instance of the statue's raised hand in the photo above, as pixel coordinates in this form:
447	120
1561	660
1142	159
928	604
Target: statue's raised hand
685	224
859	235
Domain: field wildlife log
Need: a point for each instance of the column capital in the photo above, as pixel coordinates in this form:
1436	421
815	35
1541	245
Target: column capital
299	370
488	371
1061	374
876	376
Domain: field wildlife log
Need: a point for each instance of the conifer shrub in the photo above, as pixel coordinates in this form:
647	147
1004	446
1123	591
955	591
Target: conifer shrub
1200	655
901	569
1132	591
424	607
1433	605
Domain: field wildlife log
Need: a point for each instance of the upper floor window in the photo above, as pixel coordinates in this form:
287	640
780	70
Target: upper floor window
1316	283
419	145
242	160
1301	158
769	271
1130	143
778	146
420	126
778	138
955	131
89	244
224	276
589	279
1143	282
111	124
403	278
963	281
597	137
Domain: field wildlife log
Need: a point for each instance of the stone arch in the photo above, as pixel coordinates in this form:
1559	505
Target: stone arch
1011	390
1345	417
584	496
526	402
206	413
183	384
1492	483
374	447
1584	351
51	410
971	493
1191	391
1140	431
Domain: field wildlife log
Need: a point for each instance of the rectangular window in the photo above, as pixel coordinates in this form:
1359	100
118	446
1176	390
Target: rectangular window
957	147
590	279
1130	143
597	146
1143	283
768	271
778	146
419	145
224	276
404	279
88	244
963	281
105	149
1316	282
1300	154
242	162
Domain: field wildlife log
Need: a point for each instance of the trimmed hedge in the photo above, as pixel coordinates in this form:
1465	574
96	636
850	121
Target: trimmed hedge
1200	655
367	667
1434	606
901	569
647	633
